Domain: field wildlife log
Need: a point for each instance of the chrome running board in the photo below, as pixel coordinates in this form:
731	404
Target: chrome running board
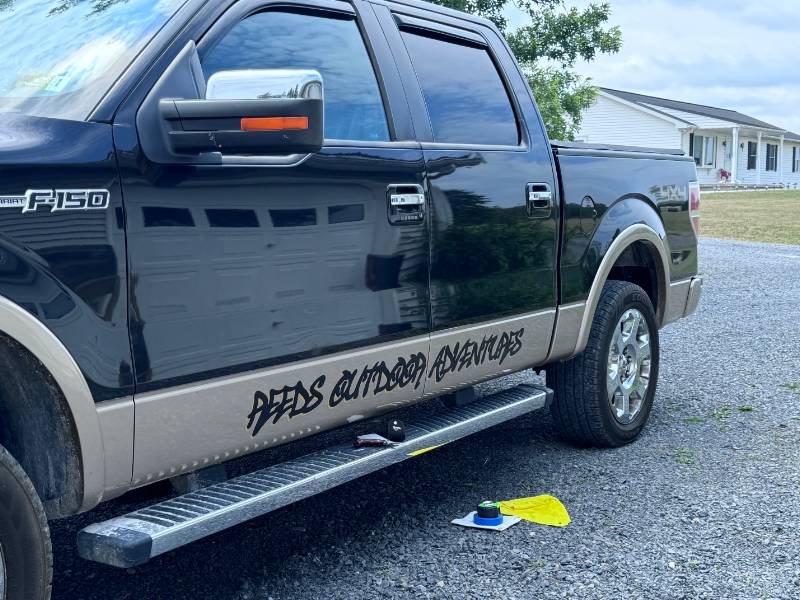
135	538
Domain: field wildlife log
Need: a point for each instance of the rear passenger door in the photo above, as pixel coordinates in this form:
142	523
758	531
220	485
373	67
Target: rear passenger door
489	172
283	297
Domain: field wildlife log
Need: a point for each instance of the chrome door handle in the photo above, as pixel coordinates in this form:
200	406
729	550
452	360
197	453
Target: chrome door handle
406	204
415	199
539	200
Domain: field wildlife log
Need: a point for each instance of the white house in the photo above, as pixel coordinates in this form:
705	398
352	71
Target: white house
749	150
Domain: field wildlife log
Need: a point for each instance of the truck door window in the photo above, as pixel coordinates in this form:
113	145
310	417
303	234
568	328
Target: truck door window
331	45
466	98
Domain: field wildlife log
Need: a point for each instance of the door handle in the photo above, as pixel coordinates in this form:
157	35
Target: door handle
406	204
413	199
539	200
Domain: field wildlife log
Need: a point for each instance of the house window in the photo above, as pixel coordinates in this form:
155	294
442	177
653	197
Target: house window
704	150
772	157
752	155
795	160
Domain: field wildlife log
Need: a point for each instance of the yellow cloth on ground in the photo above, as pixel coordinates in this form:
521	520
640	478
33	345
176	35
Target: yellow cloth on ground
545	510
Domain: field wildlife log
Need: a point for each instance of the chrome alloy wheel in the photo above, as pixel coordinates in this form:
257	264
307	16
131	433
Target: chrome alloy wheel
629	357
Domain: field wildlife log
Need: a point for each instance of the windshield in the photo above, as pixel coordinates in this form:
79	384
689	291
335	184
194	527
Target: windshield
59	57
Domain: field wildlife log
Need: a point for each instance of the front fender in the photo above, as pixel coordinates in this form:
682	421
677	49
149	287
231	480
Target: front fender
63	276
20	325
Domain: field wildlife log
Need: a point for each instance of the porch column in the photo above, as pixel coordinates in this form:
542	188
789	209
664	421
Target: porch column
685	137
758	159
780	160
735	155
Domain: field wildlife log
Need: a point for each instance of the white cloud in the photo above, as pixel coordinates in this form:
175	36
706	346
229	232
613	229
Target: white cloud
735	54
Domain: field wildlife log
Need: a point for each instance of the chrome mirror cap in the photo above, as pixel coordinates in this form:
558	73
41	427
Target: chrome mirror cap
256	84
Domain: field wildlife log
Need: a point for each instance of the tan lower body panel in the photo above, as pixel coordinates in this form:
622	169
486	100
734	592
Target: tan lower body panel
568	326
189	427
116	427
468	355
676	301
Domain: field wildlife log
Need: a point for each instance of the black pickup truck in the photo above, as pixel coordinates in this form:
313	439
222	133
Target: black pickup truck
230	224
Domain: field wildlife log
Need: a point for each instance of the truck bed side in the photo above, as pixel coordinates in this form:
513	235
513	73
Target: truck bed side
608	189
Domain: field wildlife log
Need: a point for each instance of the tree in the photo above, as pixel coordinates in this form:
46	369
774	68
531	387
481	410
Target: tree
548	46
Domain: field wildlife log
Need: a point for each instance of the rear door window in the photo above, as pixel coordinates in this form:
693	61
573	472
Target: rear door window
465	95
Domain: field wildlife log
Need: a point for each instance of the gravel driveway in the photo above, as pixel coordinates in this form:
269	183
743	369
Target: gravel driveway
705	505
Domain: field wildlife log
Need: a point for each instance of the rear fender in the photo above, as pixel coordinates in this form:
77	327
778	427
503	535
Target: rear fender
630	220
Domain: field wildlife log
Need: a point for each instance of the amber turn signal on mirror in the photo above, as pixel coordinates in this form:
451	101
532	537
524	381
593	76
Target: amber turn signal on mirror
273	123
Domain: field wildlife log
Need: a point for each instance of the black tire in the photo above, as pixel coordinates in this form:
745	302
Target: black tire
581	408
24	535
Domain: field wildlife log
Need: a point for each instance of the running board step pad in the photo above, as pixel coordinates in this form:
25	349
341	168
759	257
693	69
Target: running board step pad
135	538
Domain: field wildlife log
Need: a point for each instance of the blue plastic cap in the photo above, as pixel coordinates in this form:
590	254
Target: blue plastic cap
487	522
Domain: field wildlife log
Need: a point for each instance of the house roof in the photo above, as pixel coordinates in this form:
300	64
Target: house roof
713	112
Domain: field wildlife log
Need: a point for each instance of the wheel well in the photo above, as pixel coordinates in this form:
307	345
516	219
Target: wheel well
36	427
637	264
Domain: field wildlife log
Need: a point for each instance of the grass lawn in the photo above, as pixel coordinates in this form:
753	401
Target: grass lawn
754	216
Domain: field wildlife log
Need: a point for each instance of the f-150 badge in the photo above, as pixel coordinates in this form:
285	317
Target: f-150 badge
58	200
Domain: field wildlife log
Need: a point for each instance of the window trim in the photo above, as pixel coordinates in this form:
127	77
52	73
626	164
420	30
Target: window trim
795	159
754	156
703	157
464	36
404	21
774	157
245	9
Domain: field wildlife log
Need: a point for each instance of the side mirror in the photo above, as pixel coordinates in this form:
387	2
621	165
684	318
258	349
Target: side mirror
249	112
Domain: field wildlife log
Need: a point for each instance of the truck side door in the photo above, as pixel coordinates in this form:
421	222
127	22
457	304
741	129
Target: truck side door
495	217
270	301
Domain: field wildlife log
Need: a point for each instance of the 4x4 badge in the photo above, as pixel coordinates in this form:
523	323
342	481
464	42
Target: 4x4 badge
58	200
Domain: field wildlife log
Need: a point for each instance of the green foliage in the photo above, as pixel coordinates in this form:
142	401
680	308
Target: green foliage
561	35
562	96
723	413
685	456
547	47
489	9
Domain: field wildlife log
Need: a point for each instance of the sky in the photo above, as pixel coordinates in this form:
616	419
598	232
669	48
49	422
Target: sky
735	54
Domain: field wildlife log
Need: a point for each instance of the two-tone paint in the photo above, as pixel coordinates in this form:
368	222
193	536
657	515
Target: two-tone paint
214	313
